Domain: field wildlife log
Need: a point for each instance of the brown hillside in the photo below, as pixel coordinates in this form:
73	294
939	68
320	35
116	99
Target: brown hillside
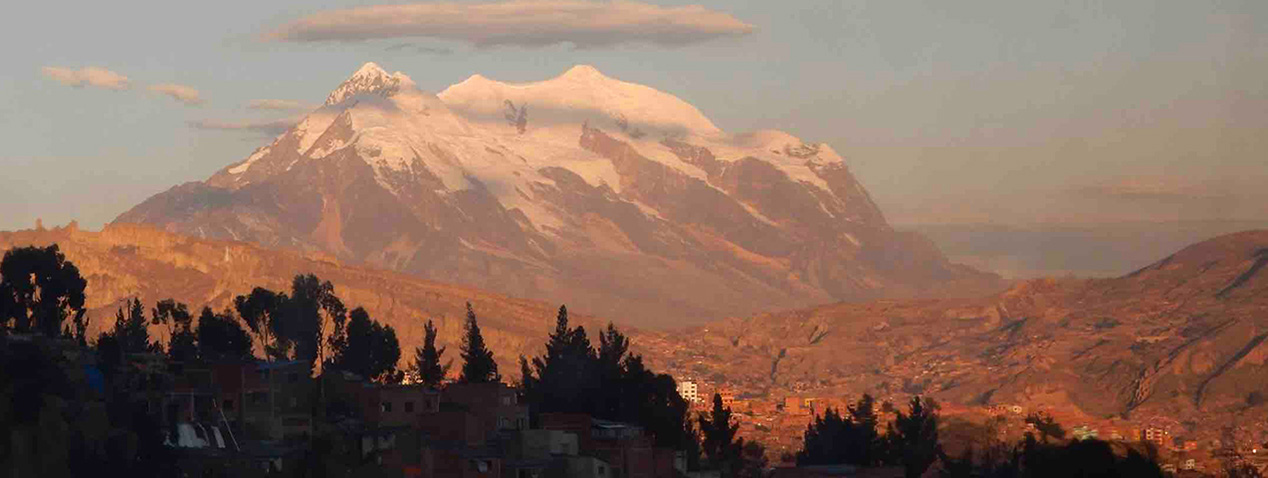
125	260
1182	340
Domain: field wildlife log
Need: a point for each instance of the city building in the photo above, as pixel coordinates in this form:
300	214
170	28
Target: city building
689	390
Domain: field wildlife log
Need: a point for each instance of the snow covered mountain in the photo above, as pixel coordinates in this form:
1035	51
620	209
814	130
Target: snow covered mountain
612	197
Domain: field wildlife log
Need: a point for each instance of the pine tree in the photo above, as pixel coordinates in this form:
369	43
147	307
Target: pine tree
427	359
845	438
914	436
478	365
565	375
720	445
131	331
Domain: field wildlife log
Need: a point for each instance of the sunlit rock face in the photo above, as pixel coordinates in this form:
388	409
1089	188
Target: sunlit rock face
613	197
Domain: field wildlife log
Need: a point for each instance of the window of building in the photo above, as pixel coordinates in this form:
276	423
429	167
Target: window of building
409	406
385	407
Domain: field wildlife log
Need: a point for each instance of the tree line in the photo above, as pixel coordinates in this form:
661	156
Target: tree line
100	424
854	436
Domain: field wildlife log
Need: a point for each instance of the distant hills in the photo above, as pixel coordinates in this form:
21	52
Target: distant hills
1083	250
1182	339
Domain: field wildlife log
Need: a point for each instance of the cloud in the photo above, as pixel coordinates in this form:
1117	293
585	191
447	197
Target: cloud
1152	188
585	24
265	127
90	76
427	50
181	93
282	105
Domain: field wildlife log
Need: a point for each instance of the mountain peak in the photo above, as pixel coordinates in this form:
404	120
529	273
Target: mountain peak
583	72
371	79
370	69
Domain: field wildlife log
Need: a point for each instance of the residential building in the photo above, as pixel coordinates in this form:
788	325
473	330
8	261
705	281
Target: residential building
626	447
1155	435
689	390
495	404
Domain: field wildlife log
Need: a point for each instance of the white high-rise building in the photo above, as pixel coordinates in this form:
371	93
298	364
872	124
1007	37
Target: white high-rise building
689	390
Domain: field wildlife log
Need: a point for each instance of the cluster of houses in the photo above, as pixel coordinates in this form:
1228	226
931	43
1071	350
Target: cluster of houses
258	419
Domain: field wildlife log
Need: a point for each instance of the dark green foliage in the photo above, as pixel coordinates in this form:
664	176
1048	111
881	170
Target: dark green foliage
1035	459
427	359
913	437
57	423
1082	458
478	365
366	347
300	326
130	331
564	377
753	456
720	444
312	305
182	346
607	383
261	311
221	337
39	289
851	438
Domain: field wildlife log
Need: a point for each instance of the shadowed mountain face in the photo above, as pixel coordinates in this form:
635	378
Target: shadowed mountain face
1183	338
615	198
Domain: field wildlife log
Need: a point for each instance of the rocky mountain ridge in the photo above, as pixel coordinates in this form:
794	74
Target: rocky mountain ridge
616	198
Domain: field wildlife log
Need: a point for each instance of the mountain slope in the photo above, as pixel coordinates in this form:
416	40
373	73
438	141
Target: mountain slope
1181	341
124	261
613	197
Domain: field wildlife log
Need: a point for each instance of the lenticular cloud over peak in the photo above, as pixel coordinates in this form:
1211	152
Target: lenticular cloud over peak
521	23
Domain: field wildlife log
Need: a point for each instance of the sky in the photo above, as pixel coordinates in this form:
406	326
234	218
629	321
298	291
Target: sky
997	112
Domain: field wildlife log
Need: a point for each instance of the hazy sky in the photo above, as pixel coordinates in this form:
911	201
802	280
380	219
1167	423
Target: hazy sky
1002	111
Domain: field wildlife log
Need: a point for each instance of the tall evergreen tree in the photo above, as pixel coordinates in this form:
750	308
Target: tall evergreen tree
914	437
478	365
565	374
850	438
131	331
720	444
427	359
